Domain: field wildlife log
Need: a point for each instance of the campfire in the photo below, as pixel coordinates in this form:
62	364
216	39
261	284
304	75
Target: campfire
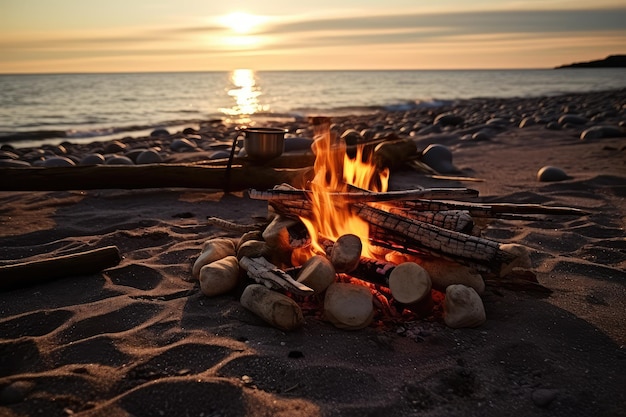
357	251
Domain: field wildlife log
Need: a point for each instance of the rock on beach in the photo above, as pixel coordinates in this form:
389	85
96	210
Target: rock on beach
550	173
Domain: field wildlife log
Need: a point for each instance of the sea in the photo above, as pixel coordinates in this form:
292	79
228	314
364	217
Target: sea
52	108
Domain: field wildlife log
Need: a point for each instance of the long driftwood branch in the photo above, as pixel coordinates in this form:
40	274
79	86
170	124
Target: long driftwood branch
365	196
146	176
487	209
294	160
76	264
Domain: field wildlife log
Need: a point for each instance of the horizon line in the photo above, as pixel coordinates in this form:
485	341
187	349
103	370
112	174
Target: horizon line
286	70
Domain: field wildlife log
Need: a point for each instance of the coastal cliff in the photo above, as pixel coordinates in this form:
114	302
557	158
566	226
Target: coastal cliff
611	61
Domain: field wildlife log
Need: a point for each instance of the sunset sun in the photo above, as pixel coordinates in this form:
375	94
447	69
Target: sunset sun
241	22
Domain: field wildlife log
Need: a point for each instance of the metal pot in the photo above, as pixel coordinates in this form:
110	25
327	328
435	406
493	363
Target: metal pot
264	143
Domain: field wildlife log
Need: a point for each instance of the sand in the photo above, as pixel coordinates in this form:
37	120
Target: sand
140	339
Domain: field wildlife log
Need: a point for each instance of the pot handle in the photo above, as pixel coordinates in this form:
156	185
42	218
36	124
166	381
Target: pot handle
229	165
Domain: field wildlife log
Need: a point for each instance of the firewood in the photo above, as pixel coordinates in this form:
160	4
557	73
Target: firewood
444	273
262	271
457	220
463	307
409	283
346	253
317	273
43	270
146	176
487	209
348	306
232	226
472	250
219	277
364	196
373	270
273	307
213	250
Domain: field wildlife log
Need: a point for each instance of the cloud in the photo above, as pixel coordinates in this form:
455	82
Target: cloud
469	31
527	21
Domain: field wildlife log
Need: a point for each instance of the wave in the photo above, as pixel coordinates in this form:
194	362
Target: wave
80	131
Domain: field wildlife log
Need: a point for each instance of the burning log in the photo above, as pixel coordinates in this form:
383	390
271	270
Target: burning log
373	270
481	253
457	220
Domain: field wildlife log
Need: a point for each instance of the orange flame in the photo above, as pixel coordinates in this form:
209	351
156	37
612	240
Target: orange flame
334	171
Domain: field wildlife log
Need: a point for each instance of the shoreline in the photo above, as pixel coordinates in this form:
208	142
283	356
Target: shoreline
141	339
83	133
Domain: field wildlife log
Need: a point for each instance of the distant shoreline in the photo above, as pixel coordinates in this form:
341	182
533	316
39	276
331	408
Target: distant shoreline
611	61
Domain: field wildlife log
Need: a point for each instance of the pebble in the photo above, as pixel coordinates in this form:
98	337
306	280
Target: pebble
439	158
481	136
58	161
159	133
16	392
92	159
572	119
527	121
119	160
542	397
13	163
599	132
498	121
182	145
549	174
5	154
219	155
449	119
149	156
114	147
553	126
134	153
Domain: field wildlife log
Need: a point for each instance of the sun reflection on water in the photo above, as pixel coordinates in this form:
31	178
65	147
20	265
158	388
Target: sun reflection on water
246	94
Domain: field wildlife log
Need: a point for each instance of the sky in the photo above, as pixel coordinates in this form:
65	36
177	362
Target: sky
50	36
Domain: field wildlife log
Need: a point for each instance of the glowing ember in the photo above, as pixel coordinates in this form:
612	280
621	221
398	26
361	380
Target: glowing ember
334	171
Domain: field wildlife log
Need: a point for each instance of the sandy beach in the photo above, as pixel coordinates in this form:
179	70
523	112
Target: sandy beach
140	339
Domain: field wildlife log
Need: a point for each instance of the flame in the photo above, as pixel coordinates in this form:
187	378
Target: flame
334	171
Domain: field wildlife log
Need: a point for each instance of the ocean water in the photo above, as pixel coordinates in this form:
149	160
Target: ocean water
39	108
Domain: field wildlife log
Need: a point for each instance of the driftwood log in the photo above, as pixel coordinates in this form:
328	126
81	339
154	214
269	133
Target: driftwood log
147	176
287	160
76	264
